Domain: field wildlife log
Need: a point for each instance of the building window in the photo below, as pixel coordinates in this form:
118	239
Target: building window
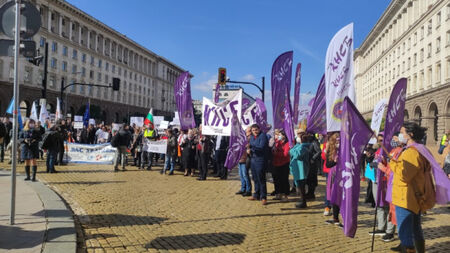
106	66
74	54
430	27
106	79
92	60
99	63
51	82
83	71
64	66
42	42
53	63
448	39
421	55
438	20
429	76
64	51
54	47
448	69
113	68
91	74
99	76
415	38
74	69
409	63
438	73
422	32
83	58
429	50
119	71
438	44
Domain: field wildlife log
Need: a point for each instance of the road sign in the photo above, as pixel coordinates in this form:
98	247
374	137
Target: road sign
30	19
27	48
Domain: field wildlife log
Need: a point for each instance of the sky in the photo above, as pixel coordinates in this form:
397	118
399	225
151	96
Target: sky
244	36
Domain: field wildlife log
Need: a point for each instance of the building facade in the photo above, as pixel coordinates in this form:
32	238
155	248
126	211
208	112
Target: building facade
411	40
81	49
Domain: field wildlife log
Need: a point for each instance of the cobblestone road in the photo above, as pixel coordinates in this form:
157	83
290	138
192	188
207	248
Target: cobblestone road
136	211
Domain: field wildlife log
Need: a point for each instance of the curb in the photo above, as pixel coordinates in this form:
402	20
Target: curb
60	235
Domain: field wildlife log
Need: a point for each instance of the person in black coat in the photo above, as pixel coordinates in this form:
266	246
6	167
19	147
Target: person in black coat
188	153
222	171
29	139
51	142
315	162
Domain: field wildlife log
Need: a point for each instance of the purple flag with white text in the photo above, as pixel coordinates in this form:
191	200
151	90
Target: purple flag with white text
394	121
261	115
281	86
217	94
297	92
317	119
183	99
354	136
287	122
238	142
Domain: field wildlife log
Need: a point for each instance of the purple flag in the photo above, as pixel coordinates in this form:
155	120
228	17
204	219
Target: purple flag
441	181
354	136
281	85
317	119
261	115
245	104
238	142
183	99
394	121
297	92
287	122
217	94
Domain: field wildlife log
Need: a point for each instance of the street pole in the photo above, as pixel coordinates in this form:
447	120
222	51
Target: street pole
263	88
61	95
44	79
15	113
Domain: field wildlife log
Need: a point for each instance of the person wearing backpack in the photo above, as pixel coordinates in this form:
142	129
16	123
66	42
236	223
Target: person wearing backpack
411	194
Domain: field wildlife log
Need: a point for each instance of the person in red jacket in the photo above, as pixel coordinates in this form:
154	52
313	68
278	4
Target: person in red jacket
326	170
280	163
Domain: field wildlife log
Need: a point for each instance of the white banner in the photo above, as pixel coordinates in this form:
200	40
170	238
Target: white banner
303	112
248	118
164	125
139	121
33	114
43	114
157	120
78	125
86	153
78	118
116	126
216	118
339	81
58	114
377	115
159	147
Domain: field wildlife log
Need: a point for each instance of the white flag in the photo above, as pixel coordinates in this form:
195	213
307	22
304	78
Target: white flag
43	114
58	114
377	115
339	81
33	114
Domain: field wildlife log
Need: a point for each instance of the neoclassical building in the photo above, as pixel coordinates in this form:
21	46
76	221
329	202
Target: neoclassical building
411	40
84	50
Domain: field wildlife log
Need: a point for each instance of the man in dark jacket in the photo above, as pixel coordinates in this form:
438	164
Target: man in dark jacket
3	135
171	152
315	157
63	136
123	140
51	142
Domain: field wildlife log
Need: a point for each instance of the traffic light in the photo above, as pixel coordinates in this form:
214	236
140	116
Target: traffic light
222	76
116	83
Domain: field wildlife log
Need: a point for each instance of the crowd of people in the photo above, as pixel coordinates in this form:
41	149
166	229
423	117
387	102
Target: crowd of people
311	155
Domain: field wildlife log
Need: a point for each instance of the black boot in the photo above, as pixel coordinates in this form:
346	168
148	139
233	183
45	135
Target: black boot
420	246
302	202
33	171
398	248
27	171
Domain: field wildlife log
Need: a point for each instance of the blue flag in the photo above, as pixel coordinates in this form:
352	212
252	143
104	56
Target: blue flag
10	111
86	116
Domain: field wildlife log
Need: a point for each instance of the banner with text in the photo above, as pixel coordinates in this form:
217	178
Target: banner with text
339	81
86	153
216	118
159	147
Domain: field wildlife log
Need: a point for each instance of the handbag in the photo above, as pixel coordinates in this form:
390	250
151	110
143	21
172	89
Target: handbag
370	173
248	162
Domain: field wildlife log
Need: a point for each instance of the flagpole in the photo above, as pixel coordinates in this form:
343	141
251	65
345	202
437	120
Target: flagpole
15	114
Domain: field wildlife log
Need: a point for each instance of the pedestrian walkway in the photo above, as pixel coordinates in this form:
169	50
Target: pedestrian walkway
42	222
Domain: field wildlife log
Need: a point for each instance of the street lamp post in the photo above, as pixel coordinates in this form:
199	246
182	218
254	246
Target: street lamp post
254	84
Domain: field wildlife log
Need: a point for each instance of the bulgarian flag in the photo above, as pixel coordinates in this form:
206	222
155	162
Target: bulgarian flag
149	119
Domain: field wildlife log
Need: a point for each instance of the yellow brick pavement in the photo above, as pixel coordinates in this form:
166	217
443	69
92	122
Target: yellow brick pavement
143	211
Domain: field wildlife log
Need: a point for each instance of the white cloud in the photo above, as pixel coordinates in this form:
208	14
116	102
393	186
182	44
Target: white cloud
248	77
305	98
206	86
300	47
